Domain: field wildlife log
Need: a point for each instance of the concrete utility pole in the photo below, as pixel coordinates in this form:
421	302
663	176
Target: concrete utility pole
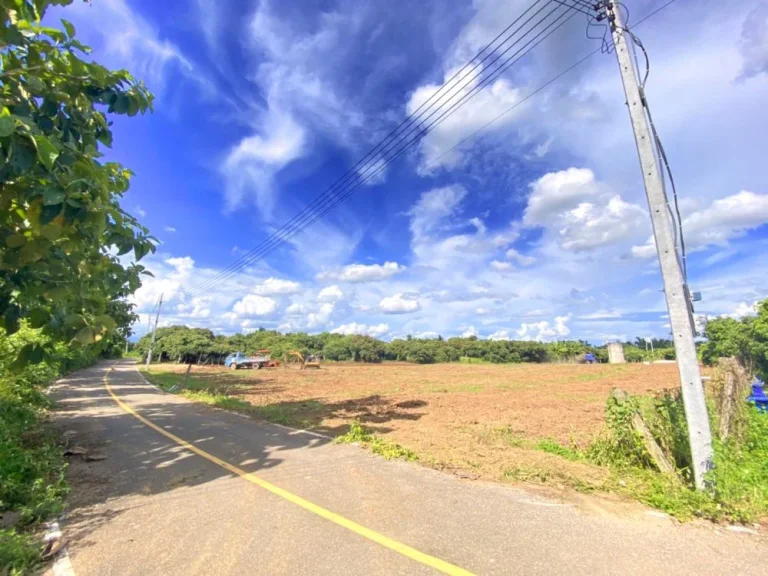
678	304
152	340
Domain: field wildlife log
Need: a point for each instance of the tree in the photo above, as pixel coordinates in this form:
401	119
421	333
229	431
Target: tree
61	224
745	339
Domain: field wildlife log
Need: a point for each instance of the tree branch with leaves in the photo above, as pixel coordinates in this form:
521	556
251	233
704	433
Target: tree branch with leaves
62	229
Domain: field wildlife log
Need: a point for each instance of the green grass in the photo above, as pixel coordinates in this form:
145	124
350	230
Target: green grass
376	444
19	553
198	390
739	480
554	447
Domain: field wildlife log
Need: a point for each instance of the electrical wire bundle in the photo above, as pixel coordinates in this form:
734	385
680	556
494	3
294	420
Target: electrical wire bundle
528	30
525	33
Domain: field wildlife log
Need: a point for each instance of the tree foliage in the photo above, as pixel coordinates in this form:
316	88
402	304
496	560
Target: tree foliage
61	225
198	345
745	339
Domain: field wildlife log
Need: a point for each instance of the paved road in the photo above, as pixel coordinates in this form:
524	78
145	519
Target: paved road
246	496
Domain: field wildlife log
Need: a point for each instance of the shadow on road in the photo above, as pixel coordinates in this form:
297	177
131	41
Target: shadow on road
112	454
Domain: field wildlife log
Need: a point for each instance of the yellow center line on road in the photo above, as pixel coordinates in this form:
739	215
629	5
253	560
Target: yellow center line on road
404	550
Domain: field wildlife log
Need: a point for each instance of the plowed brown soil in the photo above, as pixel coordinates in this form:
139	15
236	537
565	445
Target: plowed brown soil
480	419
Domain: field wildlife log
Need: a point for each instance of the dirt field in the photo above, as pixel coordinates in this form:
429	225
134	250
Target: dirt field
481	420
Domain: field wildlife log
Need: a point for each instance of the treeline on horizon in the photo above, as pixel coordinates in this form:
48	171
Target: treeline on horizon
201	346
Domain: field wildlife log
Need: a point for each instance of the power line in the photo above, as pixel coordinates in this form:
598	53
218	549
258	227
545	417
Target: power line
371	156
254	256
381	163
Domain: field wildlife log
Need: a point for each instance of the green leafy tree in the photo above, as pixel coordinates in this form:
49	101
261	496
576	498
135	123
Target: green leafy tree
61	224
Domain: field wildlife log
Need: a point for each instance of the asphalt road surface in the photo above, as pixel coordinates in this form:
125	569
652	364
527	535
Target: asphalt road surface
167	486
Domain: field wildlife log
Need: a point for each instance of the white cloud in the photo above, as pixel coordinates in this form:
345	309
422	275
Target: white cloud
580	213
197	308
322	316
544	331
754	42
482	311
433	208
363	272
501	266
744	309
330	294
277	286
485	105
251	165
296	309
723	220
470	332
399	304
140	212
499	335
522	259
601	315
376	330
169	229
131	41
255	305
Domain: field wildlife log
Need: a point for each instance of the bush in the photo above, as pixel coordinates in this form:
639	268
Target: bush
31	462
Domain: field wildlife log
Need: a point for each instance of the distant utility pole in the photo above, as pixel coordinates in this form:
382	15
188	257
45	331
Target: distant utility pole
678	302
152	340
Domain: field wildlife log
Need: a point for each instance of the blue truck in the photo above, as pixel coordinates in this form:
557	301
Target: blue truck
239	360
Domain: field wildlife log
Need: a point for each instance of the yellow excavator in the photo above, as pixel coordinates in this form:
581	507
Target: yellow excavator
311	361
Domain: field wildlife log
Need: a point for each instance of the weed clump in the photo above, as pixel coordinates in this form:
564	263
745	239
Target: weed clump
389	450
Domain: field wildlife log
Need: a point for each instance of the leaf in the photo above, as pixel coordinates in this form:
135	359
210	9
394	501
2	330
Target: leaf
46	151
39	317
11	319
7	126
48	213
31	252
22	153
105	321
51	231
16	241
69	28
29	354
74	321
85	336
53	196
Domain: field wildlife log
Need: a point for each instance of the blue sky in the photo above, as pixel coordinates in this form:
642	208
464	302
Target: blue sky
537	228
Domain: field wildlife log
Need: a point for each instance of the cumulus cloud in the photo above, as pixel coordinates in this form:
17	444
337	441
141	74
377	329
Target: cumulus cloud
354	273
254	305
723	220
321	316
470	332
330	294
375	330
277	286
296	309
499	335
544	331
501	266
197	308
581	213
399	304
522	259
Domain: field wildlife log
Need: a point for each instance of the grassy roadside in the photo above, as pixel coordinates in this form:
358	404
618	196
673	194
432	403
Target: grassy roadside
293	415
32	467
199	391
